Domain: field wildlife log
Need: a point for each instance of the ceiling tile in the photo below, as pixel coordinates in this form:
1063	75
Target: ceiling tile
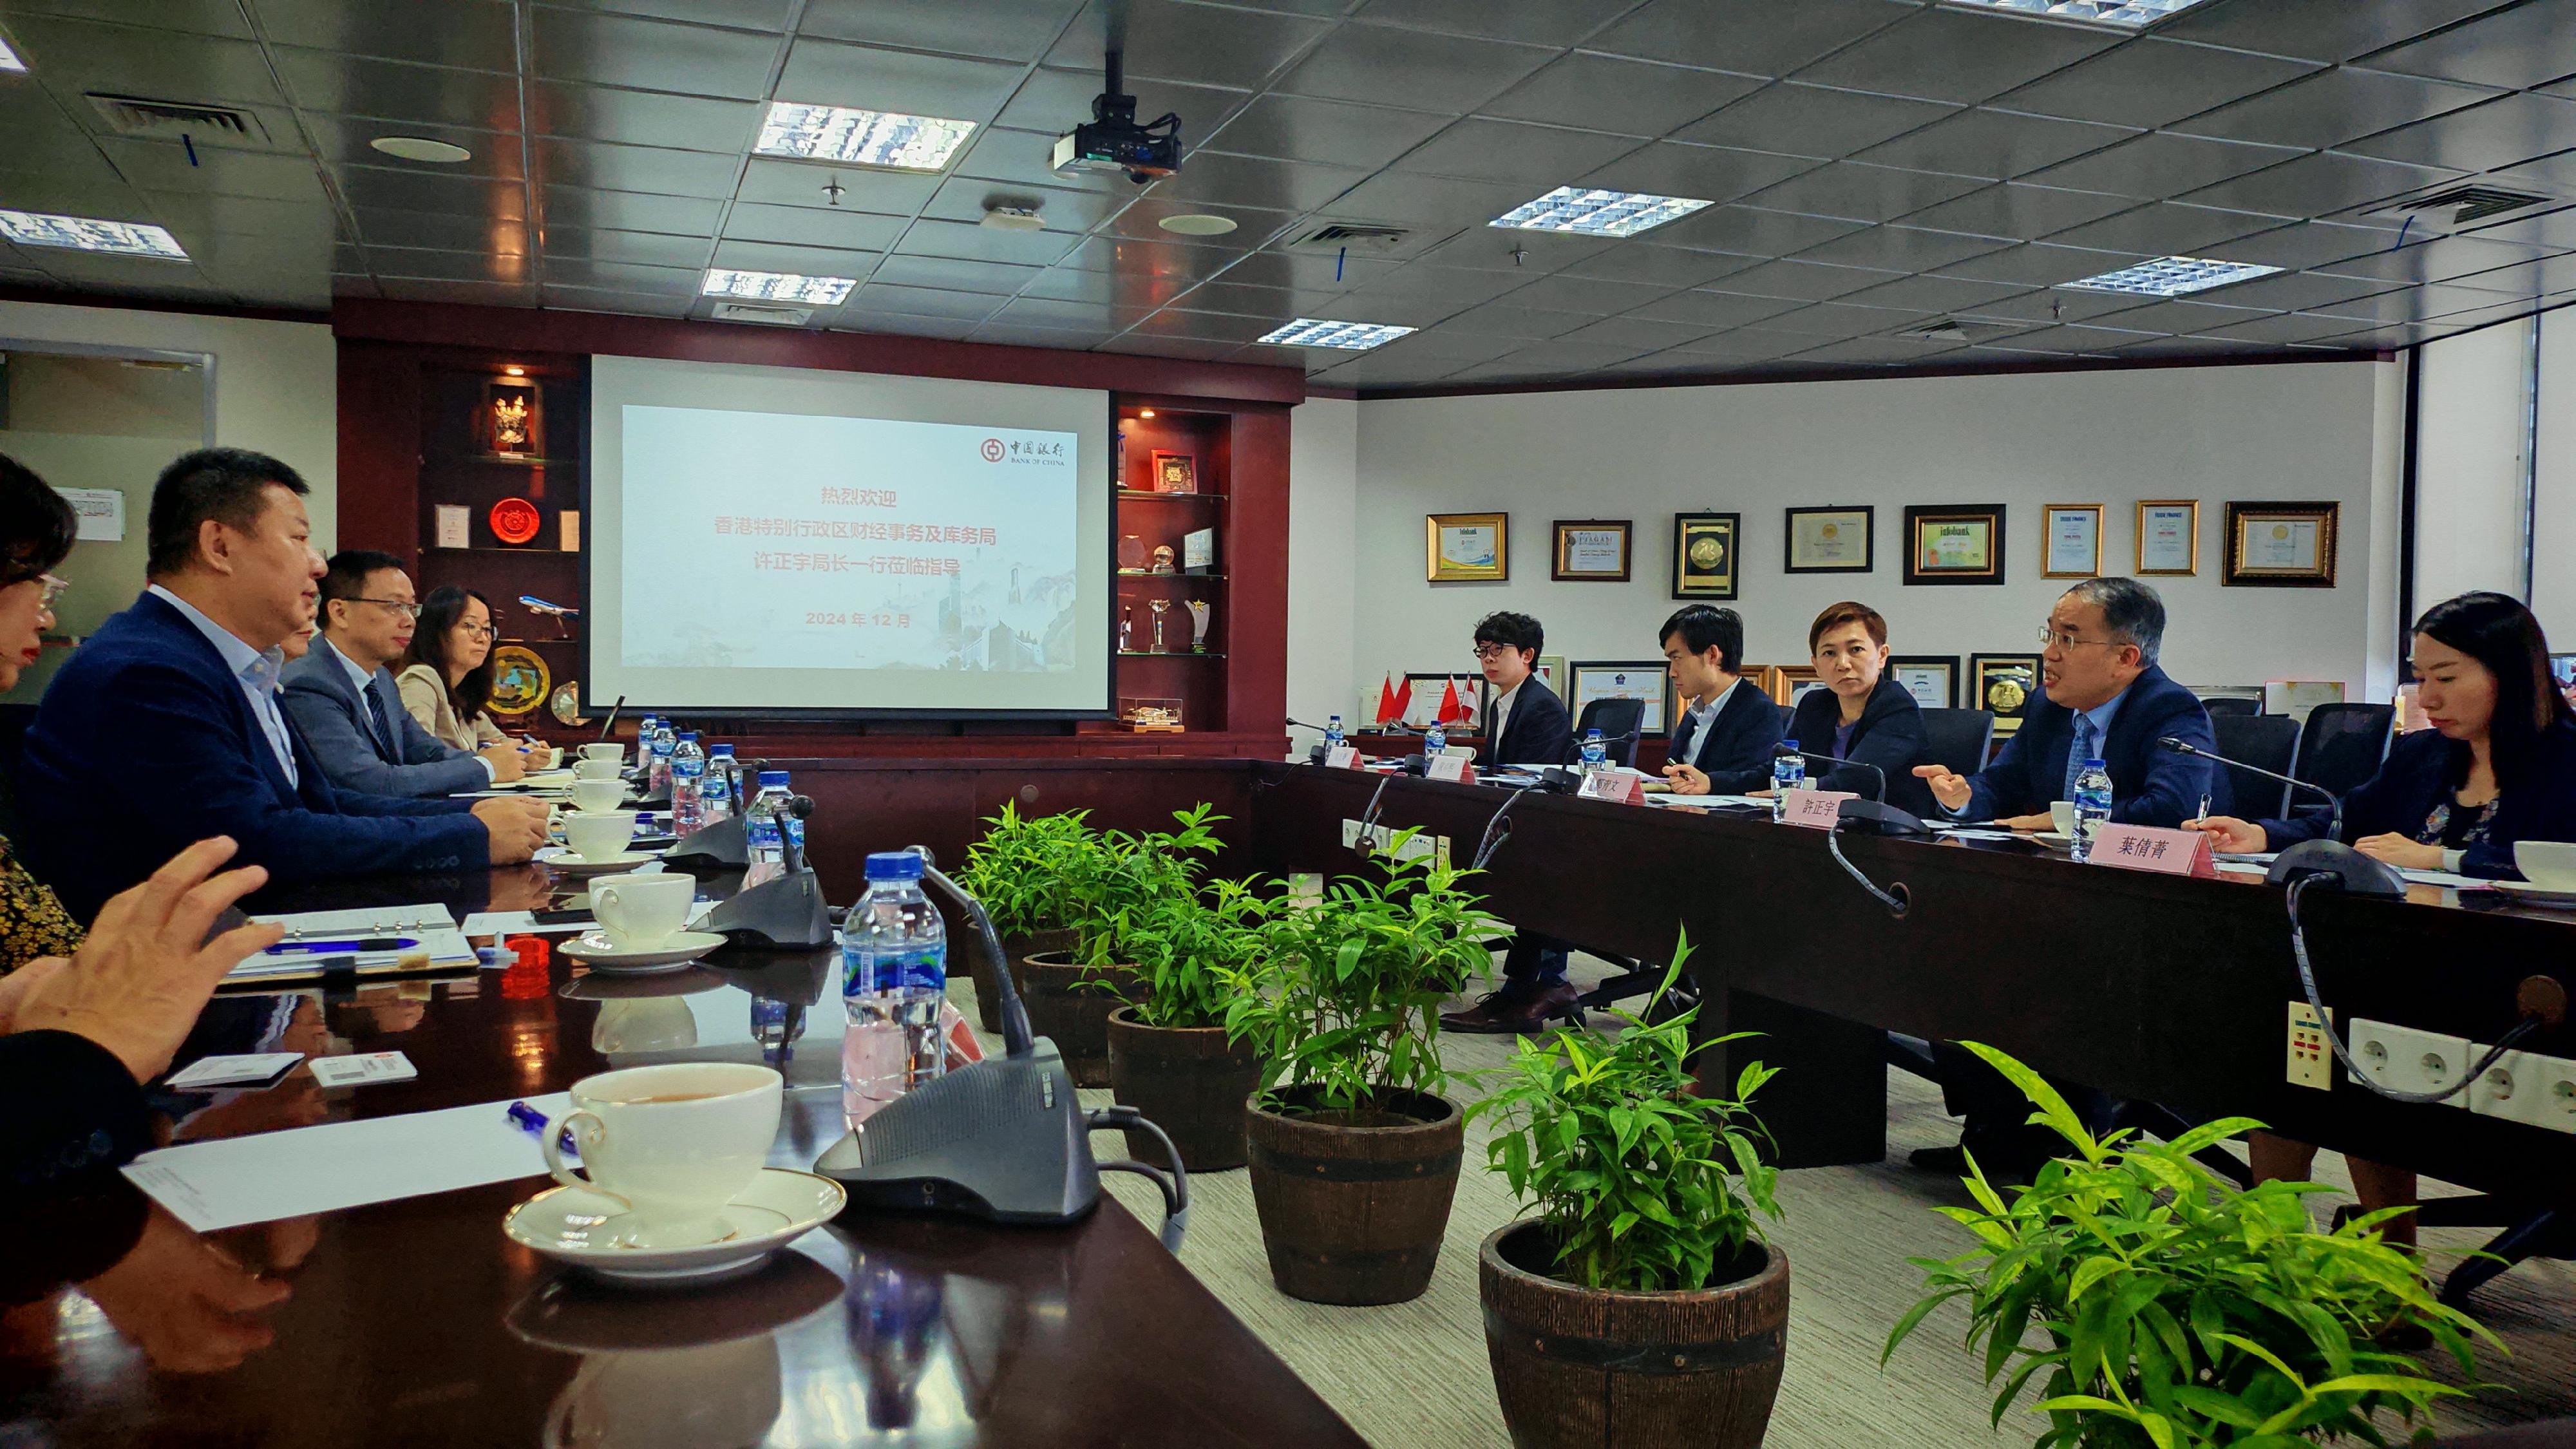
967	241
1097	317
323	81
2540	277
1804	120
830	73
1995	144
1257	181
469	34
1204	326
1596	295
2305	244
1933	294
1638	334
2409	304
1164	261
644	247
1431	202
2332	107
380	229
1873	351
811	226
1062	339
462	294
1360	62
2284	328
2073	340
655	169
1900	249
2440	260
1954	55
879	298
1754	37
905	324
642	118
1857	192
955	274
2518	46
1539	158
1508	318
1703	173
620	50
2161	164
475	266
1610	93
2174	315
344	141
1752	231
1562	23
624	277
1143	220
2317	29
1810	281
1709	308
629	211
1224	296
198	17
2039	264
769	15
168	166
2151	81
385	188
1296	128
631	304
1312	271
808	183
2296	290
1840	319
969	198
2550	228
1055	101
2019	212
78	55
2048	305
794	261
2167	229
2319	185
1186	42
1662	266
1118	289
1016	30
2481	138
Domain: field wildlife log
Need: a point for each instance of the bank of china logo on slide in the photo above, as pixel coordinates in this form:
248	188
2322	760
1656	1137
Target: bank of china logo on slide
992	450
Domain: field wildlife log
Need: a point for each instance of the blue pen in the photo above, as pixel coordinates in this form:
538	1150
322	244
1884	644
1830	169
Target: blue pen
333	948
533	1122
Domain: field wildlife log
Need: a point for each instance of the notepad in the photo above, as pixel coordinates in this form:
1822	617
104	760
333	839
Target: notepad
432	925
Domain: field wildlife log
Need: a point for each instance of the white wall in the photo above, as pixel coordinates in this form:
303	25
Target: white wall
1323	494
2472	434
2317	431
2553	583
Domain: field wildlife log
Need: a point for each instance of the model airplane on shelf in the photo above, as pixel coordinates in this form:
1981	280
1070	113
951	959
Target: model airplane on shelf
540	606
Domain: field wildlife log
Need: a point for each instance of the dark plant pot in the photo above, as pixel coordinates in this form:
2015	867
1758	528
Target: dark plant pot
988	989
1584	1368
1353	1205
1070	1005
1188	1080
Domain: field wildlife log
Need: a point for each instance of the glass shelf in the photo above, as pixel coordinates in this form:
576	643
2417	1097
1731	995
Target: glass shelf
506	460
523	552
1168	654
1150	574
1149	493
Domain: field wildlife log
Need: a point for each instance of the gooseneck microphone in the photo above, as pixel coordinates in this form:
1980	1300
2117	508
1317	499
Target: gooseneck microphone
1831	763
2181	746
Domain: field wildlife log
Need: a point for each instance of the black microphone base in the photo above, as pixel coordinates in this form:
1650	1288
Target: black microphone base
1872	817
2360	875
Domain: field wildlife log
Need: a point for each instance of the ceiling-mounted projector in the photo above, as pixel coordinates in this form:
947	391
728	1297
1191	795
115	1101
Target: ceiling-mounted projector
1114	141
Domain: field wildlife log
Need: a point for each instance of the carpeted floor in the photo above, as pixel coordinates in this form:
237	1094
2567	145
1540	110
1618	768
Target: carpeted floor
1415	1375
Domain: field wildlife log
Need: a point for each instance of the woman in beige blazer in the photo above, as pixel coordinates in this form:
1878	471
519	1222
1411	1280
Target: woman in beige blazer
447	672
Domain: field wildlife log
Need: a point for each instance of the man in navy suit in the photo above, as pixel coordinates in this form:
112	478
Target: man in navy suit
343	698
2102	697
1723	742
164	727
1524	724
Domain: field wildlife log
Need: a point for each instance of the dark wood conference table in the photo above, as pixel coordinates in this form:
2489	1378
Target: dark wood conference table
416	1322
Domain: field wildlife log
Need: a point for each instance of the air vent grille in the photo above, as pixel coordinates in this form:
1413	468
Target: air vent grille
170	120
1358	236
767	316
2467	202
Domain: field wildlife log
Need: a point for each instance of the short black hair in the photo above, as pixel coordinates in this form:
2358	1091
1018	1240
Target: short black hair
37	525
1512	631
2130	610
438	614
347	577
222	484
1704	628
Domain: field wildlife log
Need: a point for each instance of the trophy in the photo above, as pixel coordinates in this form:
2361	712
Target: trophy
1160	608
1131	554
1162	558
1199	612
1127	631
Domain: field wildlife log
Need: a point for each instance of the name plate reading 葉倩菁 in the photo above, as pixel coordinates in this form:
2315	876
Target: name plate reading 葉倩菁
2145	847
1816	809
1453	768
1615	786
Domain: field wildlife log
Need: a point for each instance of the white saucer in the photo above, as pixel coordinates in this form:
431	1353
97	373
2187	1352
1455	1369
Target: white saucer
2052	837
578	1226
561	858
2532	895
677	950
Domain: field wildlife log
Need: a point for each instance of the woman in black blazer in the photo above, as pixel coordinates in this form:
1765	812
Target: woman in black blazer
2498	765
1860	715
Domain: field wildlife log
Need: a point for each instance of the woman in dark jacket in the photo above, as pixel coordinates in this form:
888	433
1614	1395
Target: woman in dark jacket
1859	714
2498	765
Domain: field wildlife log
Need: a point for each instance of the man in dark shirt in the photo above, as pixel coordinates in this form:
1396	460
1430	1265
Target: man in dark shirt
1524	724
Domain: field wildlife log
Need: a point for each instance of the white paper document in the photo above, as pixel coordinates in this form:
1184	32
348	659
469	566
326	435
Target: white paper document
517	923
257	1179
434	926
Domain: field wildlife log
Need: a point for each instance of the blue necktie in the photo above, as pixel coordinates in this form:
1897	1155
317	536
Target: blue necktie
384	726
2076	756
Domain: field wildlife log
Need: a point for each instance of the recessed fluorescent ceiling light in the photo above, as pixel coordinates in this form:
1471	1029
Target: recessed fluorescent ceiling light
777	286
1587	211
9	58
862	138
81	234
2130	13
1356	336
2172	277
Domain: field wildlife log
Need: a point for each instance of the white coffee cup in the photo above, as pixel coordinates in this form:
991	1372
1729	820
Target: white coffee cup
595	769
599	834
673	1144
614	754
2548	864
2061	813
596	795
641	912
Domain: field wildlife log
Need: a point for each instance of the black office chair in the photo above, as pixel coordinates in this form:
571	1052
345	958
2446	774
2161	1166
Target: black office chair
2270	741
2231	704
1958	738
2343	744
1620	721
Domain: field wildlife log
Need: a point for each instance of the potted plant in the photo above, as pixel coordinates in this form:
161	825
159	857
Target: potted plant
1641	1305
1111	888
2160	1306
1171	1056
1019	870
1354	1151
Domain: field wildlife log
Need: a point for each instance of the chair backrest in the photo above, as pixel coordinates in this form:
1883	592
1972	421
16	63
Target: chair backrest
2343	744
1958	738
2231	704
2268	740
1620	722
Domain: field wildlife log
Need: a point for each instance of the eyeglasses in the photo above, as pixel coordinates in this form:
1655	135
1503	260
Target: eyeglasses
476	631
54	588
407	610
2048	635
1494	651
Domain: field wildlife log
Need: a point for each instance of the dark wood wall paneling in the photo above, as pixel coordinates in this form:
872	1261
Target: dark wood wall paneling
388	349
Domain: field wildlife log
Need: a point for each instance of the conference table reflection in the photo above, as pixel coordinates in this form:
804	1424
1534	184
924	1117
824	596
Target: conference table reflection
415	1321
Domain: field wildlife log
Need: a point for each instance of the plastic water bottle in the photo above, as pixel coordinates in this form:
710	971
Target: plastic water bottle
791	826
2092	807
1788	772
1434	740
688	784
657	774
1596	753
1332	732
894	977
764	844
715	793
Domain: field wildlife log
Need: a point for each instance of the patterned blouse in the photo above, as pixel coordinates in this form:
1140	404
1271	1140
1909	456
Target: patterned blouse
32	922
2454	826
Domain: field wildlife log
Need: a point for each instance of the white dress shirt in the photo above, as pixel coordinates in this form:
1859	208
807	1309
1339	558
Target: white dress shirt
1502	715
1706	713
257	671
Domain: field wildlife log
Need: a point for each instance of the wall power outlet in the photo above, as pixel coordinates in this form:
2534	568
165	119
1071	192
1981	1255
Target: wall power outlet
2311	1056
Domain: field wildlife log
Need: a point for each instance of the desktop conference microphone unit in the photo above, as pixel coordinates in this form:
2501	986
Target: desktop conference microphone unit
1874	815
2357	872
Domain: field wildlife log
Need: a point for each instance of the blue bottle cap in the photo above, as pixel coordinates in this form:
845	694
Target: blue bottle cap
893	865
773	777
2093	764
1788	744
689	735
721	749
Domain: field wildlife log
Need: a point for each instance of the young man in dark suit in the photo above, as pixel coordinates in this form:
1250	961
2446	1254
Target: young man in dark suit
1524	724
1722	744
341	694
164	726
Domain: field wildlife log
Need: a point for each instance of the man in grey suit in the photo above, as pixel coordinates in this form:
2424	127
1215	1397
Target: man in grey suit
343	699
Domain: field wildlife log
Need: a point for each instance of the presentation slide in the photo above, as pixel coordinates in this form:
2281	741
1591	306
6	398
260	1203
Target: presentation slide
769	539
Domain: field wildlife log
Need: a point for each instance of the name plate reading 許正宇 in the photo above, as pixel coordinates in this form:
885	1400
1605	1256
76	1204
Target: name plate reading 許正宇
1616	786
1454	768
2145	847
1342	757
1816	809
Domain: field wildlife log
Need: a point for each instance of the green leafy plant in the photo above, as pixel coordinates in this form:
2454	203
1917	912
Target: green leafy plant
1022	869
1345	998
1642	1188
2159	1306
1186	947
1115	888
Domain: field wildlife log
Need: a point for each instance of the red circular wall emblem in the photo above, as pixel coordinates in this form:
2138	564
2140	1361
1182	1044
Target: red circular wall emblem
992	450
515	520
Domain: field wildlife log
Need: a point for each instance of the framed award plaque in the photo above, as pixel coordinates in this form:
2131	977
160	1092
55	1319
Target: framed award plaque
1955	544
2281	545
1704	555
2002	685
1830	540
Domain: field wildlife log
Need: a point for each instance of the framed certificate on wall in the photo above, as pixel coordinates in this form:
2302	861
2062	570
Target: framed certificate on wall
1933	679
2169	537
2281	545
1639	680
2071	546
1829	541
1468	547
1957	543
1704	555
1590	549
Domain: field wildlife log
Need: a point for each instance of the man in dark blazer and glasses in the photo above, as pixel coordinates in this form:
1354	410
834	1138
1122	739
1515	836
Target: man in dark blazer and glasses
1524	723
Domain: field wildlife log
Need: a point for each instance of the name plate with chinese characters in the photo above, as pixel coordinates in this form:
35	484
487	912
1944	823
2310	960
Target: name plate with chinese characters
1342	757
1456	769
2144	847
1615	786
1816	809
